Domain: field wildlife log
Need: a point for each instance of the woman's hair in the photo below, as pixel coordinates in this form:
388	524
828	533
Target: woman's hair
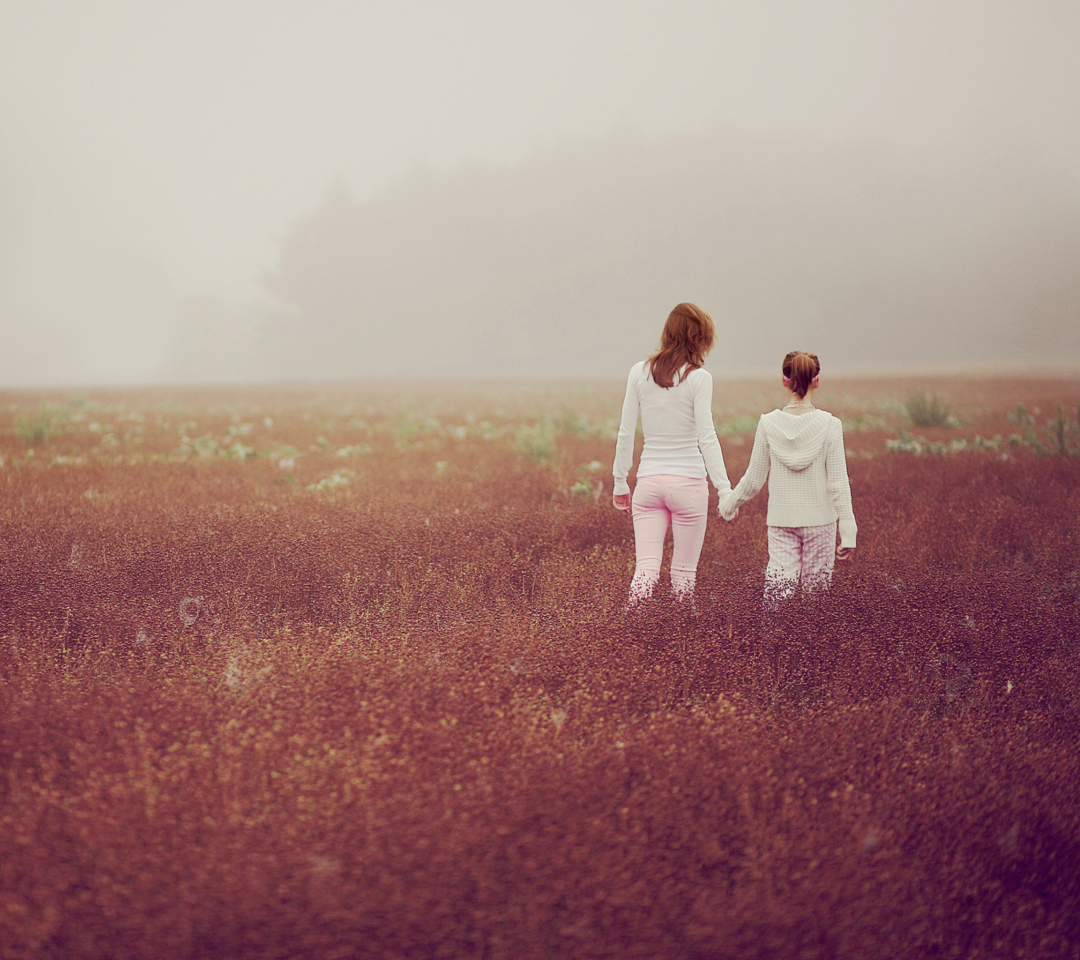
687	338
800	370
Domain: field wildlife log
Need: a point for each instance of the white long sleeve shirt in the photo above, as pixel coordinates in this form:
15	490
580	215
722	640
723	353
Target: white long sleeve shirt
680	438
802	456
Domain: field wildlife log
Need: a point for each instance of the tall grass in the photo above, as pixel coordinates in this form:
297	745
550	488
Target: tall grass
406	716
39	427
928	410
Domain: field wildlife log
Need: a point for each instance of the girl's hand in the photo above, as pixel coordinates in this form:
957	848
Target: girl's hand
621	501
730	519
844	553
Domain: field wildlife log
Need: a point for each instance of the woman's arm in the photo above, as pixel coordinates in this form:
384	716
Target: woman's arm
624	445
754	478
839	487
708	443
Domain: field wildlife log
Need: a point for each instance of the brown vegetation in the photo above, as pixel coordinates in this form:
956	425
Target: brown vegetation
346	674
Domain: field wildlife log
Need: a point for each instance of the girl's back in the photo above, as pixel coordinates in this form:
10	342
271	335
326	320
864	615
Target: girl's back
805	451
800	450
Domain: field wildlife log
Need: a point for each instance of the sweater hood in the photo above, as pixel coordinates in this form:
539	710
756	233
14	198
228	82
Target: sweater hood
796	440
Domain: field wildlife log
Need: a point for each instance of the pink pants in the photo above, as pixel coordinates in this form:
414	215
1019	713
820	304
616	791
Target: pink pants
799	555
658	500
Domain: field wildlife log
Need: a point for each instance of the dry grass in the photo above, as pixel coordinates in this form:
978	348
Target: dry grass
251	710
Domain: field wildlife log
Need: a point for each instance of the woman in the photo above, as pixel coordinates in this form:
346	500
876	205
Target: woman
673	394
800	449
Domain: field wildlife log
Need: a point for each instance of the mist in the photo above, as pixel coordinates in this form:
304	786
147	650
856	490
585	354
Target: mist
567	266
249	192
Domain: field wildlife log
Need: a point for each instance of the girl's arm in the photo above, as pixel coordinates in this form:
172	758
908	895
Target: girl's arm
838	485
708	443
754	478
624	446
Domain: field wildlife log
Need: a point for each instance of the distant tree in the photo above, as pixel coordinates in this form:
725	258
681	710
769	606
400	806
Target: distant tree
566	264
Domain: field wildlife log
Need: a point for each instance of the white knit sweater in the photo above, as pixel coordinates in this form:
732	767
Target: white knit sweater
802	455
680	438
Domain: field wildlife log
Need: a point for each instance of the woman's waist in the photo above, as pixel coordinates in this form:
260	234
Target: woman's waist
694	471
677	447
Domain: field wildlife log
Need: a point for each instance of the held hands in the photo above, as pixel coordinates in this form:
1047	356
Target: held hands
720	507
621	501
844	553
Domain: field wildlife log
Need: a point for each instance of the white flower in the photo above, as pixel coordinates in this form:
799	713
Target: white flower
189	610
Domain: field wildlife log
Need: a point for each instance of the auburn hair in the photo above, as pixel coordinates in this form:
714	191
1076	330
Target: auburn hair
799	369
687	338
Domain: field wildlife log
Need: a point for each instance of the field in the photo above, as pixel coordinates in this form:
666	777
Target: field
344	672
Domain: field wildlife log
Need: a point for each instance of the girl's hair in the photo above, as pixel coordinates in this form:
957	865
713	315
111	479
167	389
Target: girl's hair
688	336
800	370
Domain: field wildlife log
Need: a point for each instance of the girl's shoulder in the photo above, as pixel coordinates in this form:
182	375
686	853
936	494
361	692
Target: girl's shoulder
815	421
766	421
830	421
819	414
834	426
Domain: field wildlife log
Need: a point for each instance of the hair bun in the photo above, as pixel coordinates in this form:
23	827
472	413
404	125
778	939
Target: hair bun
800	370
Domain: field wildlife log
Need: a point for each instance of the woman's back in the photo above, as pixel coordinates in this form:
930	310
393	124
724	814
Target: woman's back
680	439
672	395
667	421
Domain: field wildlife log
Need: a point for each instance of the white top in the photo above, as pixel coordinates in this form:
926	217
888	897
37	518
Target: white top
802	455
680	438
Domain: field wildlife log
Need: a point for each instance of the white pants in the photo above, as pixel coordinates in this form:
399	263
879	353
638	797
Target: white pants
658	501
799	555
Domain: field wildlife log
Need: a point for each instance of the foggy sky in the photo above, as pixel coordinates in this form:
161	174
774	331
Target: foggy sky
154	155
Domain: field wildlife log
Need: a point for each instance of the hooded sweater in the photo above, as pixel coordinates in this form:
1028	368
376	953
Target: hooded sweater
680	437
802	456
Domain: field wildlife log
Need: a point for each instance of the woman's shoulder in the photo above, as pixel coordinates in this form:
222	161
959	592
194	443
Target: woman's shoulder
637	374
697	378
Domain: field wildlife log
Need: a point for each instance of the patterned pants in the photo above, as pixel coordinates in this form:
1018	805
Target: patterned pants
799	555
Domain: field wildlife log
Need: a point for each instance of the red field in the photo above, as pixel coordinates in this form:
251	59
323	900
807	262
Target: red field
344	673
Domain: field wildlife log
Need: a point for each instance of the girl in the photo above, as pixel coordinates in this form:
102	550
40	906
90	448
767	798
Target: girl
673	394
801	451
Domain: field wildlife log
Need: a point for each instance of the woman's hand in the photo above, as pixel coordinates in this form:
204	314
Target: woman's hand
720	511
844	553
621	501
